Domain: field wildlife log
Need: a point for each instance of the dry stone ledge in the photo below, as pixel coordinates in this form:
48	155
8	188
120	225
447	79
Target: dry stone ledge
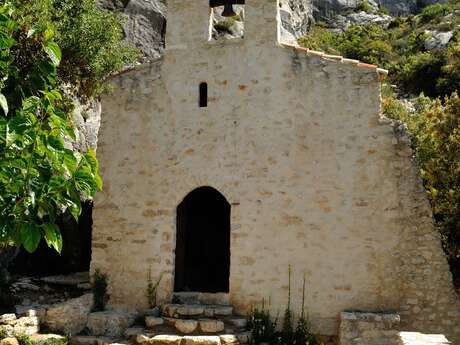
151	321
414	338
211	326
110	323
201	340
69	317
186	326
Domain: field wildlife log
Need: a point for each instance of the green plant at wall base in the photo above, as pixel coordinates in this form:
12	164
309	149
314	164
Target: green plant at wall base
27	340
287	332
100	295
152	288
263	329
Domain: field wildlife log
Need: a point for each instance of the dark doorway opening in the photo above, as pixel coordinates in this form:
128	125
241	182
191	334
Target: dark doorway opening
203	242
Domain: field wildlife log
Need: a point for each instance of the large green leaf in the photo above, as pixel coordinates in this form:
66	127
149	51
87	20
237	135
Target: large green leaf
30	236
53	236
54	52
4	103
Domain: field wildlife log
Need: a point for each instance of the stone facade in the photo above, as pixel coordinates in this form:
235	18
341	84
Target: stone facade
294	140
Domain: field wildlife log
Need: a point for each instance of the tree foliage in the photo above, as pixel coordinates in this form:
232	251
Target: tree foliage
41	177
401	49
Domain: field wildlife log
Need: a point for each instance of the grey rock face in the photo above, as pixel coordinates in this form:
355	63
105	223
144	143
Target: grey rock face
296	18
145	23
341	23
437	39
397	7
324	9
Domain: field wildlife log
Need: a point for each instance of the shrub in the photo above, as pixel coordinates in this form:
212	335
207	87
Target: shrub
100	291
91	40
437	141
152	289
419	73
364	6
435	12
263	329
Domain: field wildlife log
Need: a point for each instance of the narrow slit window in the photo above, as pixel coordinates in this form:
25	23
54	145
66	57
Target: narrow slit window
203	95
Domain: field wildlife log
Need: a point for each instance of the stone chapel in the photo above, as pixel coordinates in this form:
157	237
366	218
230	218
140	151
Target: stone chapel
227	161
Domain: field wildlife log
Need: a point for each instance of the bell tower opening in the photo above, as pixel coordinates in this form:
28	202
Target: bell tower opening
227	19
203	242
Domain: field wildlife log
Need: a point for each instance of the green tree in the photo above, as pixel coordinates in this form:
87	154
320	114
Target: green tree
40	176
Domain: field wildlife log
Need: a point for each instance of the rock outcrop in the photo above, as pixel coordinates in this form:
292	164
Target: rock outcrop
145	24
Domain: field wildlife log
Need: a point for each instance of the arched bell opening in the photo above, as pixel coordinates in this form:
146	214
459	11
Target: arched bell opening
227	19
203	242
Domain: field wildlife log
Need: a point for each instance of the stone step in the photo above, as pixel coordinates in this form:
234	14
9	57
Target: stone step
166	334
220	298
93	340
174	339
195	310
414	338
204	325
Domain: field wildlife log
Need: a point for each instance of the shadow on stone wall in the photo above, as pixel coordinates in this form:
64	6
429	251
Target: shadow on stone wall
76	252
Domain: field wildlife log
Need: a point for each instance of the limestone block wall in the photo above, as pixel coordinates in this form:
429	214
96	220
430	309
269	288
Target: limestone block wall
315	179
369	329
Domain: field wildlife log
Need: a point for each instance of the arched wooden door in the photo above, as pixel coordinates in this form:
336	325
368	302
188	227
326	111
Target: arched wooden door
203	242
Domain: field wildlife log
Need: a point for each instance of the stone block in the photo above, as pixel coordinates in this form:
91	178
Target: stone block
244	337
9	341
151	321
133	332
7	318
45	337
223	310
110	323
202	340
238	322
26	330
153	312
229	339
211	326
69	317
84	340
165	340
186	326
190	310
